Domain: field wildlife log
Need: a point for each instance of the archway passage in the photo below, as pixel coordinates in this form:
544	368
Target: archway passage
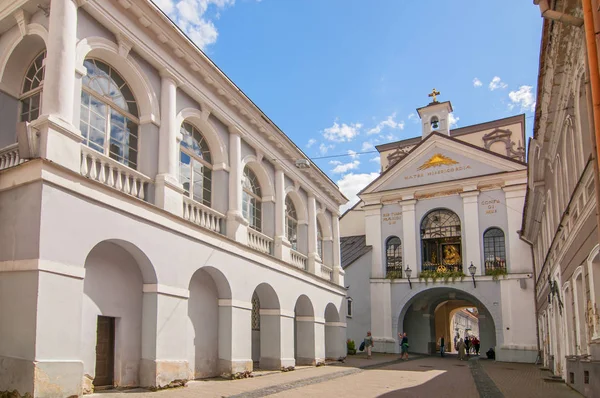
429	315
304	332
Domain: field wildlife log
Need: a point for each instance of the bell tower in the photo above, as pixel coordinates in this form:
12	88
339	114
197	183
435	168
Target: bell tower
435	116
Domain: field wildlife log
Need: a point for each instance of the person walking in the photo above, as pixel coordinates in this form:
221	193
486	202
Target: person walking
403	346
368	344
477	346
461	350
467	344
441	342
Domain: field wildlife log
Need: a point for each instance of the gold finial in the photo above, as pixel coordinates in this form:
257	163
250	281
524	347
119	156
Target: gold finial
433	94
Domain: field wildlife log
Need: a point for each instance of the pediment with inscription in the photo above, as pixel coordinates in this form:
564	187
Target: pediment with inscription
439	159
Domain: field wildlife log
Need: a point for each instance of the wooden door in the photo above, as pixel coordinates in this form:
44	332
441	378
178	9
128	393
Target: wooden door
105	351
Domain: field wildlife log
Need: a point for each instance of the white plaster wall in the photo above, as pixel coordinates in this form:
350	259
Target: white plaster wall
352	223
357	278
113	287
87	26
9	111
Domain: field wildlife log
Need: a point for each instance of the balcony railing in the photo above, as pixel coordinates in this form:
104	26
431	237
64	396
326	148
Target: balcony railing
393	272
491	265
9	157
259	241
429	266
326	272
202	215
107	171
298	259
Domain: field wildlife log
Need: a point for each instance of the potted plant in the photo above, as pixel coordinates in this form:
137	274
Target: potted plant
351	347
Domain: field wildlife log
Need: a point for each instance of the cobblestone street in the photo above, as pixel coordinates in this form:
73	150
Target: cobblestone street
383	376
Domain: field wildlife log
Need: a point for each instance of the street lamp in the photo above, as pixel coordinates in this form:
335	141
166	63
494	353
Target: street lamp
408	273
472	270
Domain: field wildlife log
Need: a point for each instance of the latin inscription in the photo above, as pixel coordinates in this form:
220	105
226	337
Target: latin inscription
490	205
391	218
435	172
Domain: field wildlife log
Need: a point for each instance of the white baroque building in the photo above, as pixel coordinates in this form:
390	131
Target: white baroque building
447	204
154	224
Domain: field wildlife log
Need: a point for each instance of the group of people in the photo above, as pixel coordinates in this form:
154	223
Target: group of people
403	339
467	346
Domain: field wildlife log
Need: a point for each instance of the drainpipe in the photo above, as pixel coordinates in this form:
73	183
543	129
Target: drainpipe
547	13
594	75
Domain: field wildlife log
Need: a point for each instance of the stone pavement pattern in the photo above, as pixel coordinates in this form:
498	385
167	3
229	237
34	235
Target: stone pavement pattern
384	377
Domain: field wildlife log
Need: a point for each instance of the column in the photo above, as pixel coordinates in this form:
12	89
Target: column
473	238
237	226
282	245
59	139
519	253
235	354
409	236
314	265
169	192
338	272
373	238
164	325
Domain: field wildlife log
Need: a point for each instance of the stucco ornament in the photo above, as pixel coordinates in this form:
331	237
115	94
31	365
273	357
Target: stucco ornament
437	160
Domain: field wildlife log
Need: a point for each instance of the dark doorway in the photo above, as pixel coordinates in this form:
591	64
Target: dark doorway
105	351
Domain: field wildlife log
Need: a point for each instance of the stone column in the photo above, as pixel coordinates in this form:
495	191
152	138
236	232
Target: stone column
373	238
473	237
164	325
519	253
282	245
58	138
276	339
237	226
169	192
338	272
235	336
314	260
409	236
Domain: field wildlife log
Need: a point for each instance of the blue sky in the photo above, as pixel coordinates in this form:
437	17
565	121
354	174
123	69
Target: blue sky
339	76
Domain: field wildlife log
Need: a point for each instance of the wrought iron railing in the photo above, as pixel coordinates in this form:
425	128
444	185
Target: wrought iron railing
393	272
429	266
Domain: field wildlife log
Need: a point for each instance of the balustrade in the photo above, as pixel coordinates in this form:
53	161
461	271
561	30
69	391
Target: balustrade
9	157
494	264
326	272
202	215
259	241
107	171
298	259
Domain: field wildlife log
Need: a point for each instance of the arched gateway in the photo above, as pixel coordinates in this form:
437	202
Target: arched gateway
428	314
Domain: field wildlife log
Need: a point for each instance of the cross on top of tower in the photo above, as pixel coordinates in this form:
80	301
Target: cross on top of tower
434	94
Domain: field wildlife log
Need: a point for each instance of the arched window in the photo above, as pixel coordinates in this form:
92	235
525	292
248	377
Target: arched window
494	249
441	241
320	240
109	114
255	312
251	200
31	94
291	222
393	257
195	165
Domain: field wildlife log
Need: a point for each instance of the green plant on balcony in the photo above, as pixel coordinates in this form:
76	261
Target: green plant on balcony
393	274
351	347
496	272
445	275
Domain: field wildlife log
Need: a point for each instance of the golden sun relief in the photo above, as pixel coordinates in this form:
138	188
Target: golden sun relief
437	160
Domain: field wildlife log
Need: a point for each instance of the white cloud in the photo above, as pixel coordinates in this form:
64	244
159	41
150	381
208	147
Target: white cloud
353	154
324	148
311	142
191	16
523	97
343	132
413	117
375	159
367	146
344	167
453	120
477	83
351	184
497	83
389	122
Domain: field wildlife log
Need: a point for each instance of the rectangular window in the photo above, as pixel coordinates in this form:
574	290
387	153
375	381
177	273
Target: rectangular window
349	313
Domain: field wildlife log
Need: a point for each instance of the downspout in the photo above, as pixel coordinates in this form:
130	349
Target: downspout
558	16
594	74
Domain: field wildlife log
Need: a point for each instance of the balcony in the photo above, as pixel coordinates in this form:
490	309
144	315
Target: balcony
393	272
9	157
495	267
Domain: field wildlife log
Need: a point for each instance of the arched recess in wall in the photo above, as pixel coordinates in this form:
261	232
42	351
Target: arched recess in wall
108	52
593	264
266	185
559	187
21	50
298	203
218	150
325	224
582	115
570	154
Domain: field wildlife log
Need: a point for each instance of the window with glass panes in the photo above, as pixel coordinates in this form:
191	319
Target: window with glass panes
319	240
494	250
31	94
393	254
291	223
195	162
252	200
109	114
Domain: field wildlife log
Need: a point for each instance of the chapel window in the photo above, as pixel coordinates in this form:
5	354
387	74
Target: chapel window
109	114
195	170
393	257
319	240
441	241
291	223
494	249
255	312
31	94
251	200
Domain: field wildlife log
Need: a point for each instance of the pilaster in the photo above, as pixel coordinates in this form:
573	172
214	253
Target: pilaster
472	235
519	253
234	334
237	226
338	272
409	237
282	245
314	261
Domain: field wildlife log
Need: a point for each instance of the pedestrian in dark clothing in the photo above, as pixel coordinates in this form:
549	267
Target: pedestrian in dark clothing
442	346
467	344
